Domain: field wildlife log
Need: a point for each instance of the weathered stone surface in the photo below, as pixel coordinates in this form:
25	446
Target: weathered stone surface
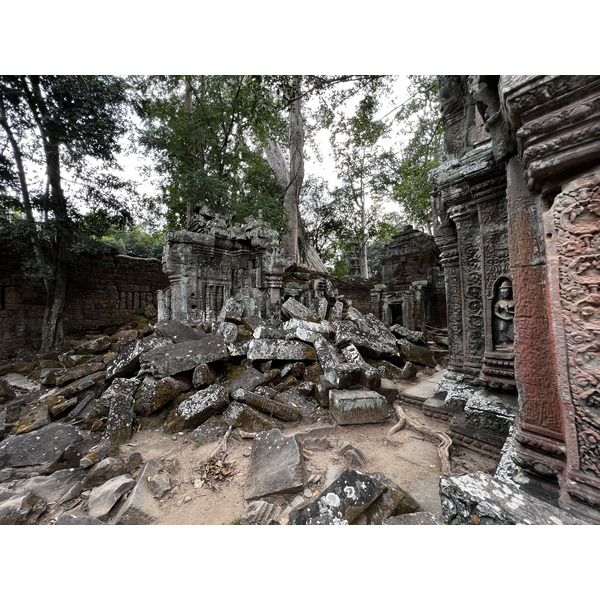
121	397
159	485
103	498
60	486
280	350
211	430
260	512
388	389
244	417
306	331
344	375
202	405
353	407
184	356
322	388
65	376
128	360
480	499
266	332
66	519
267	405
293	309
415	337
45	445
393	501
417	518
249	380
276	465
95	381
140	508
108	468
342	502
369	345
298	403
326	353
416	354
203	376
237	349
154	393
177	332
228	331
24	509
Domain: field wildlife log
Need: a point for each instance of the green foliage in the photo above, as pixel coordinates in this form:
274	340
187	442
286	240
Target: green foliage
135	241
205	134
421	122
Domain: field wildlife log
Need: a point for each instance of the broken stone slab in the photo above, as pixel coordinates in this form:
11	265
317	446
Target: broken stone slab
177	331
108	468
249	380
336	311
298	403
392	502
45	445
280	350
211	430
66	519
203	375
415	337
326	353
266	405
237	349
370	325
369	345
354	407
265	332
96	381
159	485
128	360
342	502
416	518
185	356
14	384
244	417
65	376
140	507
388	389
343	376
153	394
228	331
292	309
232	308
23	509
416	354
370	376
276	466
260	512
60	486
95	346
203	404
322	388
306	331
480	499
121	398
103	498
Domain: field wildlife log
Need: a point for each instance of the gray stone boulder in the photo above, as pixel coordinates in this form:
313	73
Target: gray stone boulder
355	407
480	499
203	376
306	331
46	445
121	398
127	362
228	331
416	354
370	345
153	394
203	404
249	380
23	509
103	498
414	337
292	309
370	377
108	468
326	354
244	417
140	507
66	519
293	350
185	356
341	503
60	486
159	485
343	376
266	405
266	332
276	466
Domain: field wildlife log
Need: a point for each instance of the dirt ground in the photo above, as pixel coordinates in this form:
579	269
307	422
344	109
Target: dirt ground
407	458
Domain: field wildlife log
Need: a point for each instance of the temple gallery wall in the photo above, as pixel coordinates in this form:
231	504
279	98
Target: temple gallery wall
516	208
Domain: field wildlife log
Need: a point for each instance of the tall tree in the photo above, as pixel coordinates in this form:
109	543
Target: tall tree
68	128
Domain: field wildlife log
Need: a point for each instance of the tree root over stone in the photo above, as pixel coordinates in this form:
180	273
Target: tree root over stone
445	440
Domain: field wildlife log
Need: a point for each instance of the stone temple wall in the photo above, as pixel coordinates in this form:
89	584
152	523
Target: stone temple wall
103	291
517	220
412	291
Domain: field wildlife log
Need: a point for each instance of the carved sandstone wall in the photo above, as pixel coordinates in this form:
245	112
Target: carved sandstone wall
102	292
535	141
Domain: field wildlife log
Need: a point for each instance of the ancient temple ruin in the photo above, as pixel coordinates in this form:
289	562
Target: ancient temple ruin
412	292
517	219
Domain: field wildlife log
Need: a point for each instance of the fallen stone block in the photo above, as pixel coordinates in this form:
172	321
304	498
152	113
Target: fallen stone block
354	407
120	396
260	512
140	508
249	380
306	331
343	376
203	404
369	345
159	485
108	468
280	350
203	376
293	309
416	354
128	360
342	502
276	466
153	394
416	518
266	405
392	502
60	486
388	389
244	417
23	509
184	356
480	499
265	332
45	445
66	519
103	498
322	388
177	332
228	331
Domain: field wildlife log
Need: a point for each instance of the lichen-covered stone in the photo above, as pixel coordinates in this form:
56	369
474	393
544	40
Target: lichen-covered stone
266	405
120	396
293	309
416	354
203	404
353	407
369	345
249	380
154	393
185	356
203	375
344	375
306	331
244	417
140	508
177	332
326	353
128	360
280	350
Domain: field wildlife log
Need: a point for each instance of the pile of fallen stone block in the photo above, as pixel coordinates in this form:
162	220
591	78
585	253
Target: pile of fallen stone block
240	372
